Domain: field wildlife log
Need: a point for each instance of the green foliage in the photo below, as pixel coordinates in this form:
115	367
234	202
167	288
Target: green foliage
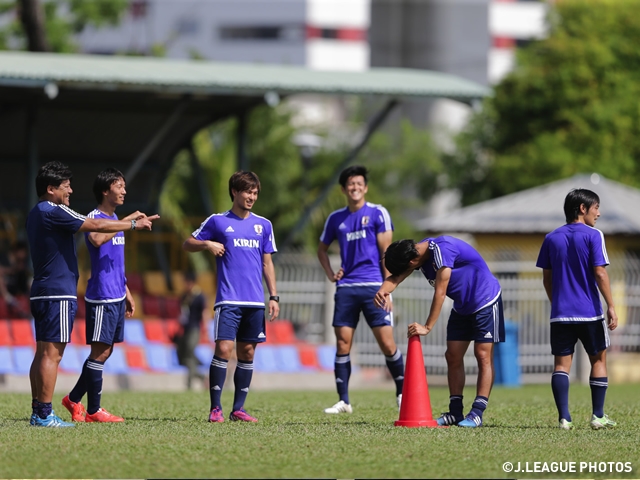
166	435
404	171
569	106
63	19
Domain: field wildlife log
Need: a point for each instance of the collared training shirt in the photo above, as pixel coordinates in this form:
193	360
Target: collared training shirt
357	236
50	230
571	252
472	286
107	283
240	268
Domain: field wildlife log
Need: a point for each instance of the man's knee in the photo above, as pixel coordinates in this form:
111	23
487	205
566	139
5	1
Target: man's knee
484	353
453	357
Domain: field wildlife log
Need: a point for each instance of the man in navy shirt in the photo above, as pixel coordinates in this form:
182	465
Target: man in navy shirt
456	270
363	231
242	243
573	258
107	297
51	226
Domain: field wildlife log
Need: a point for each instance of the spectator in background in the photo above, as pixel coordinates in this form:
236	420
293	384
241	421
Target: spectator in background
15	277
192	316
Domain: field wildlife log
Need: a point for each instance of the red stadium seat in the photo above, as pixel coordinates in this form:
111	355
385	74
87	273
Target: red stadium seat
308	355
78	334
173	328
5	335
204	333
4	311
172	307
136	358
281	331
82	309
155	331
134	282
22	332
21	308
151	306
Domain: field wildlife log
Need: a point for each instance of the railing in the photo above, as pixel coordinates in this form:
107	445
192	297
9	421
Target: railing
307	300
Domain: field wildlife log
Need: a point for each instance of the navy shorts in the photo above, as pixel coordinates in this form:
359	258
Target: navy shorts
244	324
105	322
350	301
564	336
54	319
484	326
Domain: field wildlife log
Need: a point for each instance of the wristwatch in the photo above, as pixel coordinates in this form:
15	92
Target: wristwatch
133	224
275	298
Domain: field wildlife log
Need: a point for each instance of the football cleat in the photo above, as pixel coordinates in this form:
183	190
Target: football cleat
102	416
472	420
242	416
52	421
604	422
447	419
565	424
339	407
77	410
399	401
216	415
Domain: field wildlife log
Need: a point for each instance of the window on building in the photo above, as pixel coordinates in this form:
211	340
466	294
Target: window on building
262	32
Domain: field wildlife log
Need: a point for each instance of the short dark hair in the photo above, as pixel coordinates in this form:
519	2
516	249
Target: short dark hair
353	171
104	180
190	276
398	256
242	181
575	198
51	173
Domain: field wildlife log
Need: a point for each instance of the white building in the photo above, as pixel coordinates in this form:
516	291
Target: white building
320	34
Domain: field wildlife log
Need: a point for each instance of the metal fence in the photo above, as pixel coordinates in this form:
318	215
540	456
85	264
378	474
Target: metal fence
307	300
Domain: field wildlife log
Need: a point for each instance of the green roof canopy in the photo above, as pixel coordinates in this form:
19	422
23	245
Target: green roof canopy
136	113
215	78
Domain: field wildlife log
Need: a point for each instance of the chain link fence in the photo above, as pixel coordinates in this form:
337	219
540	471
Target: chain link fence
307	301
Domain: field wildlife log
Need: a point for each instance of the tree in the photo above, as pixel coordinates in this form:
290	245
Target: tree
569	106
50	26
404	171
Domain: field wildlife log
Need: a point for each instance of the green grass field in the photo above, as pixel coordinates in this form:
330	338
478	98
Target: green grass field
167	435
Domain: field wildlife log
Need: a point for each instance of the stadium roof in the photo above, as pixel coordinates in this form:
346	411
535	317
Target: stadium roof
193	77
136	113
539	210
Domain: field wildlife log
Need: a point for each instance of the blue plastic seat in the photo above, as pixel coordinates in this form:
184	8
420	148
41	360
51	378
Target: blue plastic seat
204	354
134	332
288	359
160	358
6	360
71	359
264	359
326	356
117	362
22	359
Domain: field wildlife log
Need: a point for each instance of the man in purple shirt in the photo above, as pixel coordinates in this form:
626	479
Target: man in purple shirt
456	270
107	298
242	243
51	225
363	231
574	259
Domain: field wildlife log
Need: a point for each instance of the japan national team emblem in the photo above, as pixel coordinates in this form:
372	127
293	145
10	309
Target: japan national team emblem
258	229
365	220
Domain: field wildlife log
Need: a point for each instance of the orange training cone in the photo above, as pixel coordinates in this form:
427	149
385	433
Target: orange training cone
415	410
